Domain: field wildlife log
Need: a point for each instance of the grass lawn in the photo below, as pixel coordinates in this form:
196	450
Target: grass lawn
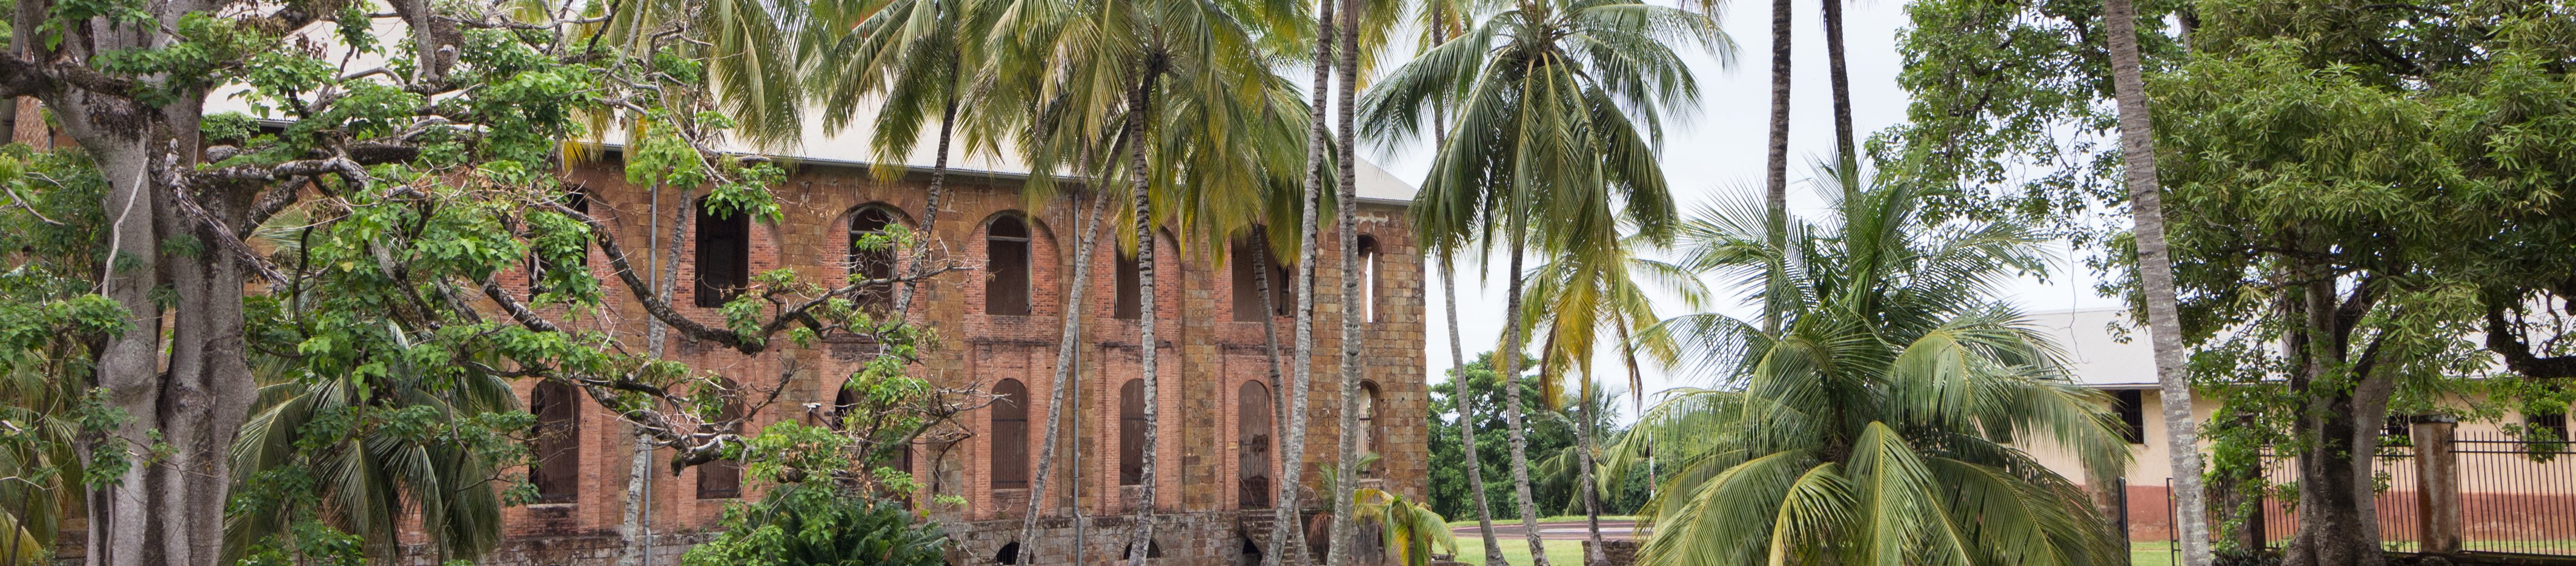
1516	551
1471	521
2157	553
1570	552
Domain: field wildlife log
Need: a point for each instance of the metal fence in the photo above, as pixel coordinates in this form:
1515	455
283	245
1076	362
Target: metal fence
2393	474
2516	496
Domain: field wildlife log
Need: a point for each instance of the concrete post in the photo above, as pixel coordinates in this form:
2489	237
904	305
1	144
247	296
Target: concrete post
2437	489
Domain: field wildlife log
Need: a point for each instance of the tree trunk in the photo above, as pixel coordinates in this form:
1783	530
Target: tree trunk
2339	426
1063	380
1511	372
2155	279
1846	144
1775	180
636	524
1146	346
1467	416
1281	511
1346	470
1292	451
194	389
1593	555
930	209
1457	354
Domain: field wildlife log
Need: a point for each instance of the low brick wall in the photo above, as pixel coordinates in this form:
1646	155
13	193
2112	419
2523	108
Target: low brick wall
1618	552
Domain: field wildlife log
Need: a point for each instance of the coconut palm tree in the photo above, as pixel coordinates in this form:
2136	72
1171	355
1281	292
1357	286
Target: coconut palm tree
1442	20
2156	280
1547	89
1115	71
749	48
1881	422
915	59
370	480
1579	298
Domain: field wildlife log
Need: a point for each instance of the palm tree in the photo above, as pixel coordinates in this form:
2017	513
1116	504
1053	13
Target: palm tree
1113	71
749	48
1544	126
918	57
1442	20
1576	298
2156	280
369	480
1877	424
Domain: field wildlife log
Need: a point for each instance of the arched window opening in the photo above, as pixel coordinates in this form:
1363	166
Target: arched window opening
1009	555
1010	435
1006	267
723	255
1130	306
1247	290
1368	276
1252	438
1153	549
842	403
578	202
1247	553
555	455
1371	436
1131	433
722	479
872	262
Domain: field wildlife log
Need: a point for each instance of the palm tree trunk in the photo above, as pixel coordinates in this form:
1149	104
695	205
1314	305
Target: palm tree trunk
1292	453
1467	416
1511	371
1346	471
1146	346
2155	278
1282	512
1064	362
1846	144
1592	555
930	208
1457	355
1775	182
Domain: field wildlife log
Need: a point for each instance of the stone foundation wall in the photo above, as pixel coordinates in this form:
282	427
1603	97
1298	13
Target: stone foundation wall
567	550
1213	538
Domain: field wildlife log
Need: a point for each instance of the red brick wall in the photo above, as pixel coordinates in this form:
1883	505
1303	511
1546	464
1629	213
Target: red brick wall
1205	356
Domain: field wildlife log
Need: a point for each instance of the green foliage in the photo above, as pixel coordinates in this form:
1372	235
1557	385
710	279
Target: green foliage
1885	415
50	320
2357	150
1559	107
1550	434
807	523
1409	531
308	543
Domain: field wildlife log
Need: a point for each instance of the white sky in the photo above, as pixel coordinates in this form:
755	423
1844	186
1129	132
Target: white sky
1721	150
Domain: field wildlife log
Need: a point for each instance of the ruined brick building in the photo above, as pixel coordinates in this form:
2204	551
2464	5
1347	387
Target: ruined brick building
999	326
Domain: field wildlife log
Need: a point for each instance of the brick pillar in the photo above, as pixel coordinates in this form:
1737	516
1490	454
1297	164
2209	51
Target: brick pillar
2437	490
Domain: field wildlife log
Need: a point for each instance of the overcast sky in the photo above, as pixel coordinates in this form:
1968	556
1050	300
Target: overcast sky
1720	151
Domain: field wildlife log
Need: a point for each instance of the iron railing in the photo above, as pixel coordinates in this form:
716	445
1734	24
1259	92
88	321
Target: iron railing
2516	496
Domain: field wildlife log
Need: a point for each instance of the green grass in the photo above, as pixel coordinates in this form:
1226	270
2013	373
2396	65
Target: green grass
1516	551
1570	552
1471	521
2151	554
